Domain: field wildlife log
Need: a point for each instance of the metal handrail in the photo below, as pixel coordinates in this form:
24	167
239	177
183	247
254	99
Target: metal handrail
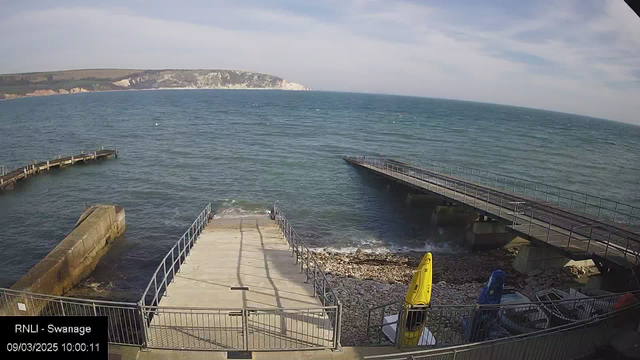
64	298
473	173
187	241
299	248
545	332
535	217
238	308
479	172
126	321
295	243
441	314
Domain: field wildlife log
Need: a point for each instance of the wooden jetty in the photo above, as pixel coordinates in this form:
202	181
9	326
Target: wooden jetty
9	178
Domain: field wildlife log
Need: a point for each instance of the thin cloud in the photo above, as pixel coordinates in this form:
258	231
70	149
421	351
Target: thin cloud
553	55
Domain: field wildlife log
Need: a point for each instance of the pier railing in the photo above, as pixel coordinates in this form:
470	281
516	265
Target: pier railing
601	208
450	325
125	324
573	340
243	328
170	264
531	217
311	267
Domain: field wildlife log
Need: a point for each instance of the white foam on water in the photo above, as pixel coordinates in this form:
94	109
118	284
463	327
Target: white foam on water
372	245
392	249
230	208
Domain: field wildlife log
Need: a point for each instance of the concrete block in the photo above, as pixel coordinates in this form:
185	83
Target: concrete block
452	215
74	257
531	257
488	234
424	199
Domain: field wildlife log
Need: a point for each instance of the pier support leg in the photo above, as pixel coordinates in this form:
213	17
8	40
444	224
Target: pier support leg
423	199
532	258
487	233
452	215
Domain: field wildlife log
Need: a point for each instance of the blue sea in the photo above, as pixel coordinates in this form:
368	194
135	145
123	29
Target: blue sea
243	150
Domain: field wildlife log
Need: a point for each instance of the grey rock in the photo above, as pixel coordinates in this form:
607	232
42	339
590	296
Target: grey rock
534	272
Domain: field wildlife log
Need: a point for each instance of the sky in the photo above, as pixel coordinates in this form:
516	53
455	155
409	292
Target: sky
577	56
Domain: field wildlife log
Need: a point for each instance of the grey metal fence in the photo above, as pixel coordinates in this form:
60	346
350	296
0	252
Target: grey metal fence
210	328
148	325
247	329
448	325
125	325
309	265
170	264
530	217
565	342
600	207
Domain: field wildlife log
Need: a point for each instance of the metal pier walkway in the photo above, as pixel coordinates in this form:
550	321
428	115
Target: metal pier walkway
243	283
578	225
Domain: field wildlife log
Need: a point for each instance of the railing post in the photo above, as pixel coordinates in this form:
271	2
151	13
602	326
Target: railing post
62	307
145	325
338	328
549	230
95	311
164	268
547	194
307	271
500	210
589	242
173	266
626	249
245	330
324	293
155	286
530	221
615	212
570	233
487	209
599	208
474	199
400	326
571	203
314	280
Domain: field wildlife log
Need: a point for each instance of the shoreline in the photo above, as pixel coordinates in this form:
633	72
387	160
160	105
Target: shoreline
85	91
364	280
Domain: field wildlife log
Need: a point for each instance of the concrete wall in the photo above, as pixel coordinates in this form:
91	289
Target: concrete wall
76	256
531	258
486	234
452	215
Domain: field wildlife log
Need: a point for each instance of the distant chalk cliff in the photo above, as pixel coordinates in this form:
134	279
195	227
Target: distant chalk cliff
77	81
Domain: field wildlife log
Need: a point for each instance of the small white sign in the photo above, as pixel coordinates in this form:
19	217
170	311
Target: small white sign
22	307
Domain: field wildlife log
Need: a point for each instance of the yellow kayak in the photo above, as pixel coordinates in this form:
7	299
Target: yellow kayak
419	293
